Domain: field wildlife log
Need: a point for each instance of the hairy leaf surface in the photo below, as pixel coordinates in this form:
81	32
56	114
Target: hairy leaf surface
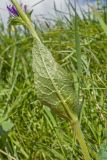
53	84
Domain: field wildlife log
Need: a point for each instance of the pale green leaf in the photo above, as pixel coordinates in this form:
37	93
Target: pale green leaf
54	87
102	154
7	125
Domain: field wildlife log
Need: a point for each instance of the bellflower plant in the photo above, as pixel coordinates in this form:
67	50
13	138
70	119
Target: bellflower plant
59	95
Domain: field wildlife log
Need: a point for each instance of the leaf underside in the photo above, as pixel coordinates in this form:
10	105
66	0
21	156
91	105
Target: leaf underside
53	85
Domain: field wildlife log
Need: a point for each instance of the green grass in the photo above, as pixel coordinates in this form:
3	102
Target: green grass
31	131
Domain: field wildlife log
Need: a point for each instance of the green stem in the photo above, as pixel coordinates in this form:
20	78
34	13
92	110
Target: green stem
80	138
25	18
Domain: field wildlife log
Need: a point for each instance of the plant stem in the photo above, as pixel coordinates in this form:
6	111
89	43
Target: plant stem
80	138
26	20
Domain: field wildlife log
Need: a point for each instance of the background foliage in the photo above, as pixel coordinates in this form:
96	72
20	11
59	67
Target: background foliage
29	130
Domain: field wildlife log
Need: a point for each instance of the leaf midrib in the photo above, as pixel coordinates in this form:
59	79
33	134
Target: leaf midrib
66	107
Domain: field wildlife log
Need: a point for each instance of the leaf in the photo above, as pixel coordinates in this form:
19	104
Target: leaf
54	87
102	154
15	21
7	125
57	154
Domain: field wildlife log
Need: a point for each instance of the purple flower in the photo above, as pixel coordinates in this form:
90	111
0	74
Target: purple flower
25	8
14	12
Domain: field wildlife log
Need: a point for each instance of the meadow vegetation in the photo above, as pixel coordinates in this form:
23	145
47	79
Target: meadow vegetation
28	129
